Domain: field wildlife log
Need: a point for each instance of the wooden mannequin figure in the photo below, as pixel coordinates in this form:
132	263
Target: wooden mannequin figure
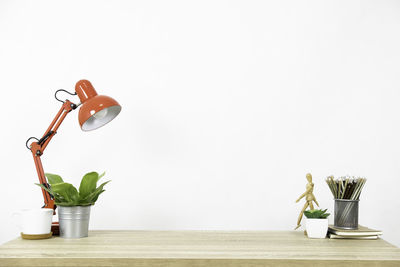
309	198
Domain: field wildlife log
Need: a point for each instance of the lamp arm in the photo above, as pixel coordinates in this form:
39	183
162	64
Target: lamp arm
38	147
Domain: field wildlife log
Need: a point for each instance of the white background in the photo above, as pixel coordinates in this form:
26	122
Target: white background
226	105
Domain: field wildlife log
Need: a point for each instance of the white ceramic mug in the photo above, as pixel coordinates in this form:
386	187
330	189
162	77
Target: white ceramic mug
34	221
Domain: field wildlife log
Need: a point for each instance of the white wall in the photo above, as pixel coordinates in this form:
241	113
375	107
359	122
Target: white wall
226	106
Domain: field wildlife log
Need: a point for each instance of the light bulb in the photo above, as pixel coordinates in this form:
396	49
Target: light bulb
101	114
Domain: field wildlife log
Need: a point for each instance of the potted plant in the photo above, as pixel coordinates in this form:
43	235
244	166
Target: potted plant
73	205
317	223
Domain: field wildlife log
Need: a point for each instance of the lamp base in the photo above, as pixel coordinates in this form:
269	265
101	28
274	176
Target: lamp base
55	228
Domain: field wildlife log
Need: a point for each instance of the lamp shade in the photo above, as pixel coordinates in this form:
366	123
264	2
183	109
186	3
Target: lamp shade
96	110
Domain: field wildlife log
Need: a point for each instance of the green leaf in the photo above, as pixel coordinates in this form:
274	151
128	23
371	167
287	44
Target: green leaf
97	196
67	193
53	178
88	184
65	204
318	214
57	197
45	188
92	198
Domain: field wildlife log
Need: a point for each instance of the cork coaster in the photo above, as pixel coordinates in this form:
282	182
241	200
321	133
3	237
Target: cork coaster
35	237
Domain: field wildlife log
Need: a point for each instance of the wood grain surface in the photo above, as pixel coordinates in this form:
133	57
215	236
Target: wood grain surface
198	248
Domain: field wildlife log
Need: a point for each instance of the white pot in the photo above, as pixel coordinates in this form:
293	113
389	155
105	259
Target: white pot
317	228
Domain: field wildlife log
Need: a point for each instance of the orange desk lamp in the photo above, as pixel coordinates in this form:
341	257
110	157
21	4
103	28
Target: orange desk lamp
96	111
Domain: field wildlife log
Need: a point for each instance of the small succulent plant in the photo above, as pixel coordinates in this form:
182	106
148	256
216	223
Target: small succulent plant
316	214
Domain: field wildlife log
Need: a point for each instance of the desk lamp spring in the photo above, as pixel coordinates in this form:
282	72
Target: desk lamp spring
95	111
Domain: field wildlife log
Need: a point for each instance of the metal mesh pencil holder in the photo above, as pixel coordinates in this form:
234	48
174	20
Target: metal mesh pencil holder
346	213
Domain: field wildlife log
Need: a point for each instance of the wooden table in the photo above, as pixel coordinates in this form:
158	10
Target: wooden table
198	248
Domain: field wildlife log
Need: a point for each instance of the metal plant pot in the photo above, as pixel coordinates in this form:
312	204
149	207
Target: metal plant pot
74	221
